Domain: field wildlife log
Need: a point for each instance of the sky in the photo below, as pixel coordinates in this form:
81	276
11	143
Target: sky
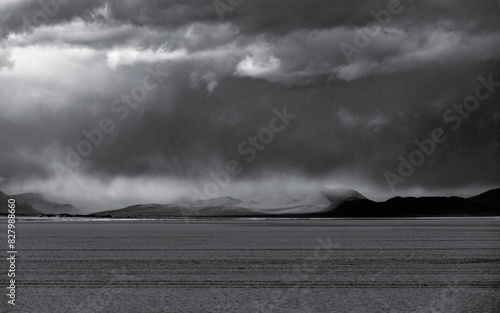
110	103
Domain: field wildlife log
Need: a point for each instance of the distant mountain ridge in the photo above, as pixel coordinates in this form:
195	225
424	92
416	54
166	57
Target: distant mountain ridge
415	207
322	203
42	205
491	197
265	205
21	208
34	204
484	204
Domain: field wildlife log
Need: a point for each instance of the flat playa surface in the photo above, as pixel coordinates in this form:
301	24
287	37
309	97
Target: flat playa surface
413	265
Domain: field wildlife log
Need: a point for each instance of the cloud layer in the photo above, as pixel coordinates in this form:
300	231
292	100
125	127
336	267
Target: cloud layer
176	87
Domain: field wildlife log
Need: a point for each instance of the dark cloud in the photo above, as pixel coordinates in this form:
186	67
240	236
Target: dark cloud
355	115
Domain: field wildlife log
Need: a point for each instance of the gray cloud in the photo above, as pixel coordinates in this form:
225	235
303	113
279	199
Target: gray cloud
61	75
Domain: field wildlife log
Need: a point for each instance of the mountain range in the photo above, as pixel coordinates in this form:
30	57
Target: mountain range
34	204
322	203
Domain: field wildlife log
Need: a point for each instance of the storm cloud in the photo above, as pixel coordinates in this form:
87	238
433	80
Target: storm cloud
166	93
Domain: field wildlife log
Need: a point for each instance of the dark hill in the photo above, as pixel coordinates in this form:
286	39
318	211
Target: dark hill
44	206
415	207
490	197
22	209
